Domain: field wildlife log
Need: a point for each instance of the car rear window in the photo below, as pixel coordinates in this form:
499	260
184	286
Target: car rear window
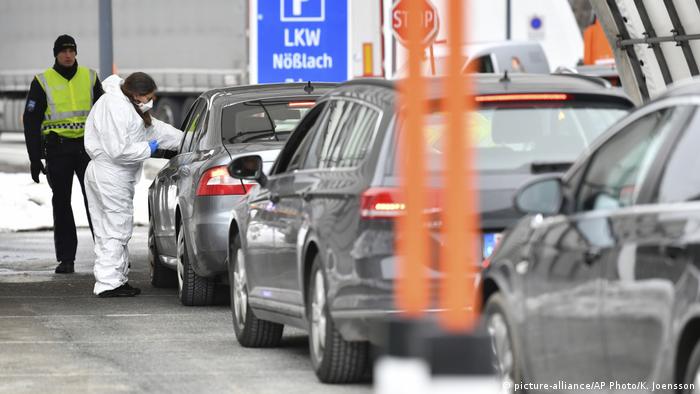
510	137
262	120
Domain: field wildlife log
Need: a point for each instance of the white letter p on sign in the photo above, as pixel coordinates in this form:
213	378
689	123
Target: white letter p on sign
296	7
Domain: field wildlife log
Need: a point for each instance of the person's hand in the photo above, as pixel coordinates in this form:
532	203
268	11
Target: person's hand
36	168
153	144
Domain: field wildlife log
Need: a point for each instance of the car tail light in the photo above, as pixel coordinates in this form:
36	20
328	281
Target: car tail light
380	203
497	98
217	182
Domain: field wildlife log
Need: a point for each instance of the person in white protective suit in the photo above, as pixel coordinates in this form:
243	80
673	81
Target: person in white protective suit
120	134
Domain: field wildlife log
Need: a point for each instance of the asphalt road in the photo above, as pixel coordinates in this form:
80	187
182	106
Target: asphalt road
56	336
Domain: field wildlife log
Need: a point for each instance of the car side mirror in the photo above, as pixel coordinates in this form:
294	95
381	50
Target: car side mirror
542	196
248	168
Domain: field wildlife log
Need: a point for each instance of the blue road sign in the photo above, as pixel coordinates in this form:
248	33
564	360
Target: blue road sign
302	40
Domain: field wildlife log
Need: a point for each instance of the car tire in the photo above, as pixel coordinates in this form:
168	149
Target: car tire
161	276
334	359
168	110
505	344
692	371
250	331
193	290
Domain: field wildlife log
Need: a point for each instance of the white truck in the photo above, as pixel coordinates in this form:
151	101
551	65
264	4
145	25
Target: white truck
192	46
187	46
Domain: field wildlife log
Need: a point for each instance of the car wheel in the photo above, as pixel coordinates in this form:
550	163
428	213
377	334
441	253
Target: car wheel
161	276
334	359
504	342
168	110
193	290
692	372
250	331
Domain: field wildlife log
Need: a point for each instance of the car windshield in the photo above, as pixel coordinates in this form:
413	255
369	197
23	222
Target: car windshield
262	120
511	138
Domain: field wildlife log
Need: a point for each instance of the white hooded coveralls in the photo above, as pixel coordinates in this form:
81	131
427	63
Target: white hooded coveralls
117	141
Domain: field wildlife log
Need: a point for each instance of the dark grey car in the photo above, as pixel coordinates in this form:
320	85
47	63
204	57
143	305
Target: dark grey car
601	283
317	247
191	197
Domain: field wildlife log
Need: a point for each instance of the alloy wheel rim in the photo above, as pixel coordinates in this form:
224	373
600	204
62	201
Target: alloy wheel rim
180	266
152	249
240	301
318	318
498	330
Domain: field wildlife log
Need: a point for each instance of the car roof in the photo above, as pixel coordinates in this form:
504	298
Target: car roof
516	83
252	92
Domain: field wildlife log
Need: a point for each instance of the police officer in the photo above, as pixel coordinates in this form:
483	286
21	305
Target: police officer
58	104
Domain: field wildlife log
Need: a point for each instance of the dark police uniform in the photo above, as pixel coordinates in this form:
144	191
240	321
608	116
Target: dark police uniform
54	124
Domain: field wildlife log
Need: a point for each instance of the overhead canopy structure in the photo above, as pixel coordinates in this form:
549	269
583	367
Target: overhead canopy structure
655	42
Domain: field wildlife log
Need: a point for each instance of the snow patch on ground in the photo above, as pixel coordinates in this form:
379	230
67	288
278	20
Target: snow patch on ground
25	205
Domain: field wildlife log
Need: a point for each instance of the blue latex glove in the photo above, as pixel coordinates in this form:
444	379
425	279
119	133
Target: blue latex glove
153	144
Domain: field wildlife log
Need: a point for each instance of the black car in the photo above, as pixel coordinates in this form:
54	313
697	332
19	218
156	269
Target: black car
601	283
317	250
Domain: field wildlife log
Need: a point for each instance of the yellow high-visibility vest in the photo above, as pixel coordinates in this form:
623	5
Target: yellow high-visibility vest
68	101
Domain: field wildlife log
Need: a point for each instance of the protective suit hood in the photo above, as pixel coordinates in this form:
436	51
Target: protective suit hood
113	85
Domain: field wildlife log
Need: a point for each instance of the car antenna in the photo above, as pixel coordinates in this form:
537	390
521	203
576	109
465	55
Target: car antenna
505	78
308	88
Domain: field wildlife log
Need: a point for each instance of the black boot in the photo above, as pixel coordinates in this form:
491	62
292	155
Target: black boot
124	290
65	267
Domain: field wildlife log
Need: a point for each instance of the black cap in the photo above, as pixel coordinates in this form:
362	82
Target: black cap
63	42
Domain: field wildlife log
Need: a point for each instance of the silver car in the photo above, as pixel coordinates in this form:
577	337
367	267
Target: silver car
191	198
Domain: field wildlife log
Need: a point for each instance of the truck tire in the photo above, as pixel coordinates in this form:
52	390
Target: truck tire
161	276
168	110
250	331
193	290
334	359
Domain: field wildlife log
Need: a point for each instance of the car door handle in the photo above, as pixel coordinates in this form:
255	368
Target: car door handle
307	196
275	198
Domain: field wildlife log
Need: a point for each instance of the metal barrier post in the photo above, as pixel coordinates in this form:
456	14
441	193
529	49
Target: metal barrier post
411	288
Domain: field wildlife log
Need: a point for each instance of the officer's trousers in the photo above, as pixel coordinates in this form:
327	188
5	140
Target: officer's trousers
65	157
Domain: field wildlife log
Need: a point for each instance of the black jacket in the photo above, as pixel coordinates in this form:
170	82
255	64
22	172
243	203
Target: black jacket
35	107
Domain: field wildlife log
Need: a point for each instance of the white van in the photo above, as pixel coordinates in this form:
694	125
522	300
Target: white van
489	57
550	23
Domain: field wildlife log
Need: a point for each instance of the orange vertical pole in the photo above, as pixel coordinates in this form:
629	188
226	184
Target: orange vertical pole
459	215
412	294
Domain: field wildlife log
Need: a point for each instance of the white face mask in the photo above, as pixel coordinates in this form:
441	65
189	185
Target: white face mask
145	107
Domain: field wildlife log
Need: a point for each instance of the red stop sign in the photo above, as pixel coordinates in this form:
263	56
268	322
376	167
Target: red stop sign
430	22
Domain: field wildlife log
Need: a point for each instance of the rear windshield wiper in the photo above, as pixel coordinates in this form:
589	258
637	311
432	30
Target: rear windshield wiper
542	167
250	136
269	118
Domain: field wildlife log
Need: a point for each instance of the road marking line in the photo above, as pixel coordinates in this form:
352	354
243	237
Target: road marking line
128	315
